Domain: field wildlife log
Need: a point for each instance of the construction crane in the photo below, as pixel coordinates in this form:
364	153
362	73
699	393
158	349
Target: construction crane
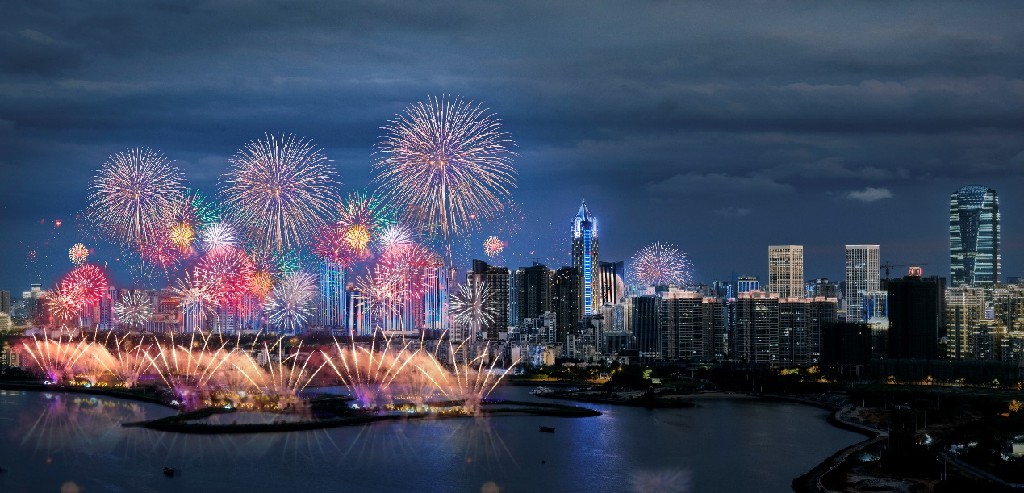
887	266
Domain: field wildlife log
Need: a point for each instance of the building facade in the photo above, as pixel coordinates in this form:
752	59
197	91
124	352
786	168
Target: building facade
862	276
974	255
585	257
786	270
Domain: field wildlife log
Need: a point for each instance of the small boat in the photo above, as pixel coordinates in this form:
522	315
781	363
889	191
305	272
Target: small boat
169	472
547	429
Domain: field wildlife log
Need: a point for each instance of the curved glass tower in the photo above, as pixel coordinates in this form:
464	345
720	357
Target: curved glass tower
974	236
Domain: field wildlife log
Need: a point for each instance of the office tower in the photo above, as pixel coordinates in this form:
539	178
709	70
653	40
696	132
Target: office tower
566	300
747	283
613	288
331	312
793	331
514	278
534	286
786	270
5	302
584	257
862	275
917	314
682	327
644	320
823	312
496	279
974	255
757	328
965	315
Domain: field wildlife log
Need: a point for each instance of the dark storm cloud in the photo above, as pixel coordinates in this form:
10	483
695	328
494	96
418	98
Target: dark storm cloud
746	123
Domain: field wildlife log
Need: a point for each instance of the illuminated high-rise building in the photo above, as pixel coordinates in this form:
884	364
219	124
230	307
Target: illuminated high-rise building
436	299
584	257
496	279
566	297
786	270
862	276
611	277
974	236
331	313
534	291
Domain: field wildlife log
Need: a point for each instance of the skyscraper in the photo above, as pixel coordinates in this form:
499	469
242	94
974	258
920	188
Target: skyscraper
534	285
974	236
757	328
917	315
566	296
862	276
5	302
584	257
786	270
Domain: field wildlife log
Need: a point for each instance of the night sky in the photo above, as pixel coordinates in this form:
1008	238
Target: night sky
721	128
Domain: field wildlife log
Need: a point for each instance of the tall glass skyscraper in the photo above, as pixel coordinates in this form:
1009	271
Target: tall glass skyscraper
974	236
862	278
584	257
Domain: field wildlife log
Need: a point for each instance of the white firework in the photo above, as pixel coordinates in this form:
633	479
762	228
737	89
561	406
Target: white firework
290	304
134	309
218	236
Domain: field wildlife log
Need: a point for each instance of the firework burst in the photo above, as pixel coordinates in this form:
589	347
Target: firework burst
133	195
445	163
217	236
134	309
659	264
280	188
78	254
290	304
493	246
227	274
472	306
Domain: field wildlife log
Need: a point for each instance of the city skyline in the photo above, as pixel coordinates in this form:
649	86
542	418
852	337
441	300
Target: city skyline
704	145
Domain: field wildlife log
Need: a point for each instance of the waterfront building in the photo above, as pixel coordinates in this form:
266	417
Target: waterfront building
105	315
786	270
437	298
974	235
645	320
862	276
681	324
611	277
757	328
5	301
917	315
585	257
715	318
965	315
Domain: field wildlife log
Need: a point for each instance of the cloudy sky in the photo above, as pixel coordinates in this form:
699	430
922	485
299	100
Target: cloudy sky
721	128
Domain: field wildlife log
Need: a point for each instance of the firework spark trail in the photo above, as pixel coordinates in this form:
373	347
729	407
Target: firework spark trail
445	163
472	305
134	309
291	303
125	362
281	376
132	195
218	236
188	371
279	188
60	358
659	264
368	373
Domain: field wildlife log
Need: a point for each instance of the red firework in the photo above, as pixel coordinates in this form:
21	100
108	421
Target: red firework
161	251
88	281
405	264
228	274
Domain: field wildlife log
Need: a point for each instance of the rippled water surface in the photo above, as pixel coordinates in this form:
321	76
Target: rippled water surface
55	440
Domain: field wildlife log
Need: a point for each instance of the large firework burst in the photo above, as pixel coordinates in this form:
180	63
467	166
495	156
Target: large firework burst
133	194
217	236
279	189
472	306
444	163
659	264
134	309
88	281
290	304
227	274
